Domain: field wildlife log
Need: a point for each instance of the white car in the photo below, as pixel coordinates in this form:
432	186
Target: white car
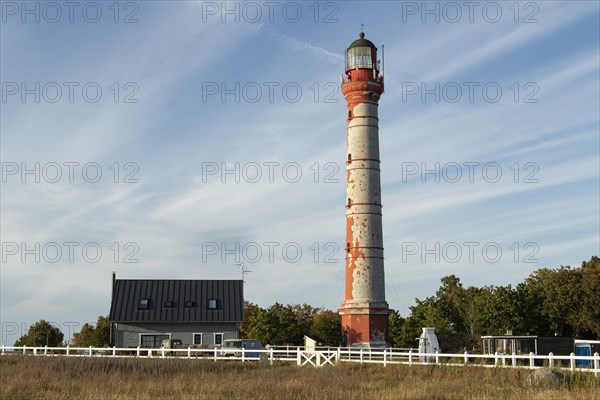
233	348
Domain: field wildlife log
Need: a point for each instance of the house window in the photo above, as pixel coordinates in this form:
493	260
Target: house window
190	303
197	339
144	304
152	341
212	304
218	339
169	304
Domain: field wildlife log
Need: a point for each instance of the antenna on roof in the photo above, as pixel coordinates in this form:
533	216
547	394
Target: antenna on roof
243	270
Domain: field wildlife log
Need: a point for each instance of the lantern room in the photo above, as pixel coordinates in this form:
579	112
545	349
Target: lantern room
361	60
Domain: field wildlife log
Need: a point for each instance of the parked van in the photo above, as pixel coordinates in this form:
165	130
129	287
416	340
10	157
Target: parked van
172	344
233	348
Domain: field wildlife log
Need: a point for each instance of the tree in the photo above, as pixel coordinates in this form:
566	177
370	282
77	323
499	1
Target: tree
251	312
450	301
304	315
84	337
590	308
327	325
396	325
277	325
560	291
425	313
42	333
408	334
497	310
470	311
102	332
529	319
95	336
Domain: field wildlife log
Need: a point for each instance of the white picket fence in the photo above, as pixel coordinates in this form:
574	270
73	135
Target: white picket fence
323	356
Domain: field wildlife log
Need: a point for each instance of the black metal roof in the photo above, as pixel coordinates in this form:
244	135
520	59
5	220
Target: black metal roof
362	42
127	293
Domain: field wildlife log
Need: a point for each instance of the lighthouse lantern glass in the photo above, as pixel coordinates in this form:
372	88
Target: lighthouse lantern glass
359	57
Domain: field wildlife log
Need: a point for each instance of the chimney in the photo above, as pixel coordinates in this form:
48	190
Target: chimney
112	295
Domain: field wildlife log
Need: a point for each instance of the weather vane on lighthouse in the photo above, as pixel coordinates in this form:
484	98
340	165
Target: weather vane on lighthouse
364	311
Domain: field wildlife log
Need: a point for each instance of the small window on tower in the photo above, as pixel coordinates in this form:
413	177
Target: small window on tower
349	201
169	304
347	247
349	157
349	114
189	303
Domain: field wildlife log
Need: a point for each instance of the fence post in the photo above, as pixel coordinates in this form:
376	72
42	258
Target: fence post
271	355
46	350
298	357
114	351
572	355
551	360
243	354
410	357
466	357
385	357
90	352
437	356
596	363
162	351
35	351
514	359
215	354
67	349
149	353
2	349
137	353
189	352
496	359
361	355
531	359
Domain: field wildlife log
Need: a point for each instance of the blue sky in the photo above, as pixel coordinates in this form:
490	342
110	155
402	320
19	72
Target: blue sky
500	103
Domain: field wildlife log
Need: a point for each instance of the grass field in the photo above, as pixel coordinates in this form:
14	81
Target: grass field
27	377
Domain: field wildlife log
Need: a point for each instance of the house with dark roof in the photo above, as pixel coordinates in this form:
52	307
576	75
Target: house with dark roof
199	313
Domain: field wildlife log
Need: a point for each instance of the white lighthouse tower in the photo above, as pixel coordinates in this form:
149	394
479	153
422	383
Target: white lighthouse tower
364	311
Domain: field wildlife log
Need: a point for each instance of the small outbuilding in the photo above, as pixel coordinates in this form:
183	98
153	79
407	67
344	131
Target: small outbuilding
311	342
541	345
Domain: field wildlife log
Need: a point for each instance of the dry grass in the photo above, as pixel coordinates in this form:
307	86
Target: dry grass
27	377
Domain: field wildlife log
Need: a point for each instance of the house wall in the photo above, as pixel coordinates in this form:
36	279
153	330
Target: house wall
128	335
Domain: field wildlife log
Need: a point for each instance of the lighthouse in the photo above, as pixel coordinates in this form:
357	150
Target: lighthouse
364	311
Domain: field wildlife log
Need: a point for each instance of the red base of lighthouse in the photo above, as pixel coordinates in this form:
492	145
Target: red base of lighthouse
364	326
